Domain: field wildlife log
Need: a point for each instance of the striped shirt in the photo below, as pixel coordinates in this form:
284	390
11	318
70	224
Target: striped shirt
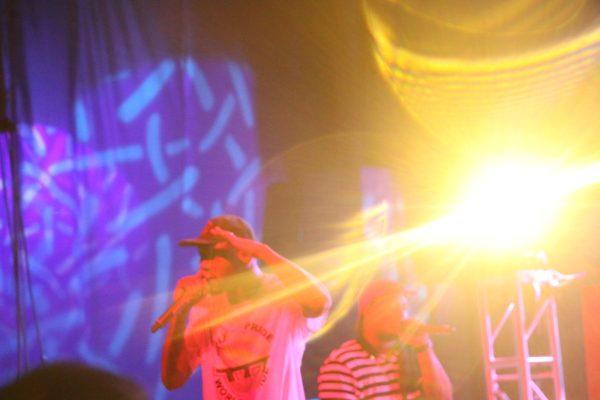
353	372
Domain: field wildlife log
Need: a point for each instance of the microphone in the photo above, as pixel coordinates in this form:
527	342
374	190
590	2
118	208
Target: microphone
183	302
410	329
436	329
413	326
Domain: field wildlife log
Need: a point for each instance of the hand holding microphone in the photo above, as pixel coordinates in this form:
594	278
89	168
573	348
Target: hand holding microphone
416	333
189	291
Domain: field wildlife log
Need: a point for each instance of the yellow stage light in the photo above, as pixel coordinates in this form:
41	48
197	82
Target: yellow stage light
511	204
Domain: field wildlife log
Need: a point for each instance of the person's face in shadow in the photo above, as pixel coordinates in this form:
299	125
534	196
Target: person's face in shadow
383	317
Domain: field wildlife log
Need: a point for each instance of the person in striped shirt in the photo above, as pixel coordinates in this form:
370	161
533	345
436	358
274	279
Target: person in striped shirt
392	357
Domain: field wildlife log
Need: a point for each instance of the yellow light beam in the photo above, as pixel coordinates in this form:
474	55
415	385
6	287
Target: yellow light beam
469	224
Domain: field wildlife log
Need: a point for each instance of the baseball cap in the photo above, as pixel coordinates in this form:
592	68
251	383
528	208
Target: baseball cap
231	223
377	289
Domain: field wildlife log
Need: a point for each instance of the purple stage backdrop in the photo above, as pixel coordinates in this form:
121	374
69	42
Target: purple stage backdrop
128	148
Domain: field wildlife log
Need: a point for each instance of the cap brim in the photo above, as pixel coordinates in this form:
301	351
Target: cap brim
195	242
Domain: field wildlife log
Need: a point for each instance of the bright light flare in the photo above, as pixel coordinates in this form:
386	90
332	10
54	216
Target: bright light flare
507	205
510	205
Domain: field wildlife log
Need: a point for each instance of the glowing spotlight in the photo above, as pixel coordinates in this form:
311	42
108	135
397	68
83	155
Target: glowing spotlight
511	204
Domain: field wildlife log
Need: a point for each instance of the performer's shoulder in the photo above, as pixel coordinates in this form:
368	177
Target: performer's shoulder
270	281
338	353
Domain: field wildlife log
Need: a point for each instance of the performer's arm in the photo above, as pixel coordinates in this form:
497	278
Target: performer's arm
303	287
435	382
176	368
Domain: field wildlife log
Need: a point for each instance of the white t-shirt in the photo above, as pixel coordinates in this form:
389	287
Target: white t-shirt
255	355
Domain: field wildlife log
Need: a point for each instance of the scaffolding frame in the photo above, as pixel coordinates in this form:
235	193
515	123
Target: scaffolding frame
521	368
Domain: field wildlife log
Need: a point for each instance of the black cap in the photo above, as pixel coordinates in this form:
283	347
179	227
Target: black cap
231	223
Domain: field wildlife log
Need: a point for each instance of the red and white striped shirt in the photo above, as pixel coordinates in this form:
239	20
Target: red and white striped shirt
354	371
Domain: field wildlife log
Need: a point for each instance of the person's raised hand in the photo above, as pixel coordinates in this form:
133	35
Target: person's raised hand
246	248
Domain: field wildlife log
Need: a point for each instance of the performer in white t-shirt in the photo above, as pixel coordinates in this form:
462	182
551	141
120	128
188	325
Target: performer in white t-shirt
246	329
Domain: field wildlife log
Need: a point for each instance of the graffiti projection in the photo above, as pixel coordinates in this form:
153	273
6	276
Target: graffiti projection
102	222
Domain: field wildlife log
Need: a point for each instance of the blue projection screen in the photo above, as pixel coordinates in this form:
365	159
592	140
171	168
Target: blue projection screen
144	157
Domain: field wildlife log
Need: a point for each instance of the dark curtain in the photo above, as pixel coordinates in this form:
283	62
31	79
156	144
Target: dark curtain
129	133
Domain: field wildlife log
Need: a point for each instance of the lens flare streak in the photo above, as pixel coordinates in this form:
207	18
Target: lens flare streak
542	190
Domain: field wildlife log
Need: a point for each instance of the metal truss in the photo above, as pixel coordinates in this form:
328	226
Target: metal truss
524	301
